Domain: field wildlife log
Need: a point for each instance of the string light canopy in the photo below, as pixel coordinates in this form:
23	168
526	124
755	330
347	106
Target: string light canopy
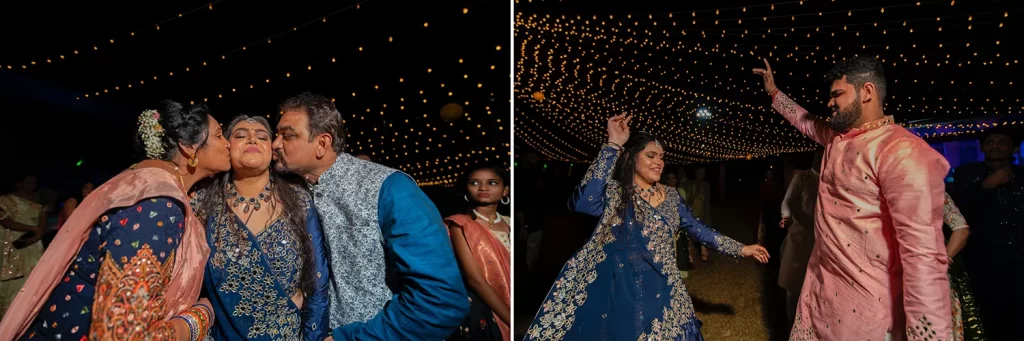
66	53
223	56
418	89
685	73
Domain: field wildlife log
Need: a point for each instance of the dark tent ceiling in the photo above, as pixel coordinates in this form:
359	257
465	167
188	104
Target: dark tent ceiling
684	68
85	70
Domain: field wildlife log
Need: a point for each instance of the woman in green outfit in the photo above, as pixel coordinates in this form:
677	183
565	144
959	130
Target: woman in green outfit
966	318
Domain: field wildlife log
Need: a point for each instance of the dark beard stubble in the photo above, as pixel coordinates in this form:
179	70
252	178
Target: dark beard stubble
843	120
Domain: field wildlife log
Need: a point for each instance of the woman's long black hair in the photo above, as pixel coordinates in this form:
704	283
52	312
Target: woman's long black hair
625	168
468	209
288	193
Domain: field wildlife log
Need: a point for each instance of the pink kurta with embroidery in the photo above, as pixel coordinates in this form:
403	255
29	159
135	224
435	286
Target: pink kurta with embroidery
879	262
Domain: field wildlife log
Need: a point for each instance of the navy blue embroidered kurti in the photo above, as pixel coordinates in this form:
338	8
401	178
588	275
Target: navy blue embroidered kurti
624	284
250	280
121	242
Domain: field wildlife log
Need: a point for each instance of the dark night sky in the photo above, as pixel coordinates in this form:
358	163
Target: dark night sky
46	129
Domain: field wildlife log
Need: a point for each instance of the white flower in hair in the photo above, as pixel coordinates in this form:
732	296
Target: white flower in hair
151	133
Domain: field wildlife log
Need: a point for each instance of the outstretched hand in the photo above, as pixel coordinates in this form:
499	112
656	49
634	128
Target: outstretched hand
756	251
618	129
769	79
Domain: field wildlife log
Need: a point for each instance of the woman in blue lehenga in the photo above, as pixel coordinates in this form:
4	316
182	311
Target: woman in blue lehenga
267	274
624	284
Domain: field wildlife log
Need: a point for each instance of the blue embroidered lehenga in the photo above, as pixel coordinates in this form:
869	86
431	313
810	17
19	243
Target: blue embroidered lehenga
624	283
250	279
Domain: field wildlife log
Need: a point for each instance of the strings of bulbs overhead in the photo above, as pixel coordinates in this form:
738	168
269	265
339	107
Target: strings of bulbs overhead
223	56
73	52
686	76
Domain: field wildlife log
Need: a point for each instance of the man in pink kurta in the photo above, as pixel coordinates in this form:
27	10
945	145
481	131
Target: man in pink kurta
878	269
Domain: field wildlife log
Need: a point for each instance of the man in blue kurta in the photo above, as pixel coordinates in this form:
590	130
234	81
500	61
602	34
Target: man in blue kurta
393	271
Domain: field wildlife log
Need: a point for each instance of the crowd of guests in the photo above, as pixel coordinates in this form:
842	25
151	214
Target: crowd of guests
251	232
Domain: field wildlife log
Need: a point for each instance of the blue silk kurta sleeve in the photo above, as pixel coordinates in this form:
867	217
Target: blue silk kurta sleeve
431	298
696	229
589	195
314	311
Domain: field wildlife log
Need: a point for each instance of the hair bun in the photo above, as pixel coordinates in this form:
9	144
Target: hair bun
171	123
151	132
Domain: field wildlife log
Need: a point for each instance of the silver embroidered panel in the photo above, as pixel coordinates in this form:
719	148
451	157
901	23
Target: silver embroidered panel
346	197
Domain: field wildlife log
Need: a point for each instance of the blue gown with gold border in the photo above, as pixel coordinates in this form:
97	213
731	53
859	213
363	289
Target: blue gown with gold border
623	284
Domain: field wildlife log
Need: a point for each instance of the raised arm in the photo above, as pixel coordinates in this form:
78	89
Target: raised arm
588	198
315	325
589	195
430	302
811	126
911	178
140	243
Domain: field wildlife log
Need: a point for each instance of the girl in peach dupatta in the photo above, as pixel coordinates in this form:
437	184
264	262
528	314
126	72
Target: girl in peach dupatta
482	246
128	264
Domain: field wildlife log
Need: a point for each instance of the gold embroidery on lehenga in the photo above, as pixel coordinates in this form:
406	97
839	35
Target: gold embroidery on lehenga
728	246
558	313
659	226
603	163
246	275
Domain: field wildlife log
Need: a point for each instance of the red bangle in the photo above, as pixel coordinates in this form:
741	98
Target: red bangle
200	315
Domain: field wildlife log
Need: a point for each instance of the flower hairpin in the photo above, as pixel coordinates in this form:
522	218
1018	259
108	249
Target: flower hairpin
151	133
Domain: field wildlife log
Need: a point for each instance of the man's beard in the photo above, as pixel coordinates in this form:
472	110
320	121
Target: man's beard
279	165
844	119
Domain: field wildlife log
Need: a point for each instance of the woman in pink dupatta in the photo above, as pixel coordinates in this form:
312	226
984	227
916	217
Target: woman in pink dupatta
482	246
128	263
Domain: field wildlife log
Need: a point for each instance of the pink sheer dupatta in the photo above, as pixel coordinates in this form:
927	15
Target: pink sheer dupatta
126	189
493	259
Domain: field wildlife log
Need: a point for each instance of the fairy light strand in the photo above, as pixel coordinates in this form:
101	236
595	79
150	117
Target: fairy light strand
268	40
571	73
96	47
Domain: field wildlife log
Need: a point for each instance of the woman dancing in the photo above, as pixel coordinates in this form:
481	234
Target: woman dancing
267	274
482	245
624	284
129	261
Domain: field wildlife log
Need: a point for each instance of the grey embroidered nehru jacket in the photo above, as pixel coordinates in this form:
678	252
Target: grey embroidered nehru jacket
393	271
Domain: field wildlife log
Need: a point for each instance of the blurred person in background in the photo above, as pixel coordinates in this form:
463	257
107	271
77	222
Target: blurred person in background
990	195
24	223
798	218
480	238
